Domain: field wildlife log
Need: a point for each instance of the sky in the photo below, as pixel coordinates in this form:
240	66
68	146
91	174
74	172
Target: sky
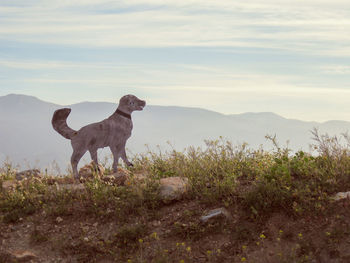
287	57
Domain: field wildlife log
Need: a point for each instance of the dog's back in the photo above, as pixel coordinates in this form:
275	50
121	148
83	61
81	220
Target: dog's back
114	130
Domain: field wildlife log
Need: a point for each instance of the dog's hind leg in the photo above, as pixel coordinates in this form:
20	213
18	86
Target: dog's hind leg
76	156
93	154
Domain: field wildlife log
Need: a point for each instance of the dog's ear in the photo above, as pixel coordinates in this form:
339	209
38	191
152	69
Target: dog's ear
125	100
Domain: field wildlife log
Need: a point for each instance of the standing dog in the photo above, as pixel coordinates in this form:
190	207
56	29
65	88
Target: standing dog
112	132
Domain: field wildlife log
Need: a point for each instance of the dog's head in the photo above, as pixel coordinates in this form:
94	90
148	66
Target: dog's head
131	103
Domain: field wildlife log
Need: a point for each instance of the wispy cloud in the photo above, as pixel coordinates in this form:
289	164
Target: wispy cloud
300	26
337	69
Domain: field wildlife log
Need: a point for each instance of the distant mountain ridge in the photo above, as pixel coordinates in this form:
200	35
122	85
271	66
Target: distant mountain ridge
27	138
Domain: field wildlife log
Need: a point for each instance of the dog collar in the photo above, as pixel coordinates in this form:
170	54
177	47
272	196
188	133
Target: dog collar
123	114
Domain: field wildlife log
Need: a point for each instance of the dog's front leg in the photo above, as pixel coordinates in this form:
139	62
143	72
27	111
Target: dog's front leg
116	156
125	159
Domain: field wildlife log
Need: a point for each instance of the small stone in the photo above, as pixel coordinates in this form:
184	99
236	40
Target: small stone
86	239
227	244
216	213
341	195
59	220
138	178
28	174
116	178
23	256
123	171
89	171
173	188
156	223
95	225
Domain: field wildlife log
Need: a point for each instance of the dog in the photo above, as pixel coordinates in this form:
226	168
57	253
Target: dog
112	132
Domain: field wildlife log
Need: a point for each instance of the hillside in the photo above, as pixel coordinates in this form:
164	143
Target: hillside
238	205
27	138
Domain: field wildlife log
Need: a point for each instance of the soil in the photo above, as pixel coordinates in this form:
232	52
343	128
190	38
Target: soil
180	236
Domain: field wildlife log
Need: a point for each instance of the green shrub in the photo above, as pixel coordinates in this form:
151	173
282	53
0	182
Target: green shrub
22	201
130	235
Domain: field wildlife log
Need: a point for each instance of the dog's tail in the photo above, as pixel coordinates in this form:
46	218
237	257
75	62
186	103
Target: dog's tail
59	123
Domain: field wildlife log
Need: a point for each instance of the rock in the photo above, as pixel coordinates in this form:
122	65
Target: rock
27	174
9	184
89	171
173	188
19	256
156	223
341	195
138	178
59	220
117	178
123	171
216	214
59	180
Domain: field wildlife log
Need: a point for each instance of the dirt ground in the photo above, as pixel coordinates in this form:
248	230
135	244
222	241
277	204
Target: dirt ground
175	234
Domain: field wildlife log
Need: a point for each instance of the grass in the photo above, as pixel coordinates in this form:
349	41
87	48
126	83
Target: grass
254	184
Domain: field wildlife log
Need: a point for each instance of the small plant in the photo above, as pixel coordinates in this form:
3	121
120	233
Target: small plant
37	236
130	235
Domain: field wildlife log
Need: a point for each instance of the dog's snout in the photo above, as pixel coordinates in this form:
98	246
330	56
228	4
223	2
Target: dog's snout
143	103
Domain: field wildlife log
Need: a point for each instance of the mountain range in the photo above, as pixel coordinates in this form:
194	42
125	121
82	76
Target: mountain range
28	139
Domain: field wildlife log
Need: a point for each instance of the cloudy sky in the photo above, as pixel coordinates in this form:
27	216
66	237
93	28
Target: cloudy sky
288	57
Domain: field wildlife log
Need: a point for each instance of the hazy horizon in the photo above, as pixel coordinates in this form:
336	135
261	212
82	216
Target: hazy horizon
190	107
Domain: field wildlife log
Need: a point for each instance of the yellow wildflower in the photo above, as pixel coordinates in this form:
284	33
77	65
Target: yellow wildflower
154	235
